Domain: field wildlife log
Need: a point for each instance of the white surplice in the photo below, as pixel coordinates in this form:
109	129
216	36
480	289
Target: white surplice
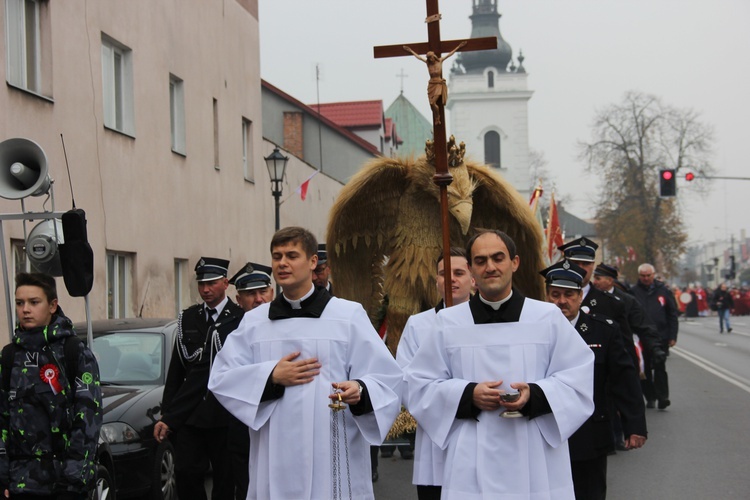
429	458
494	457
290	437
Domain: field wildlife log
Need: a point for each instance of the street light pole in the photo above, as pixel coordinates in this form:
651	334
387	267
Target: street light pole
276	165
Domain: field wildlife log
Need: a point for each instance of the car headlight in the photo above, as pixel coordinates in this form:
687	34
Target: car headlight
118	433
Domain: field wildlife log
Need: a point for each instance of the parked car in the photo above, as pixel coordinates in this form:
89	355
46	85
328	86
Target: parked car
133	357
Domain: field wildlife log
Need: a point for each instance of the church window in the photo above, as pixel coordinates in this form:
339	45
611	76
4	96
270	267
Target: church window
491	79
492	149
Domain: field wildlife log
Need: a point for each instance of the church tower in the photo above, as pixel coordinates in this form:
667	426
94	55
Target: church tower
488	101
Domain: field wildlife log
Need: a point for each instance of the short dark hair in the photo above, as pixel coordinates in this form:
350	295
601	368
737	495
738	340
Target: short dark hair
43	281
295	234
509	243
455	252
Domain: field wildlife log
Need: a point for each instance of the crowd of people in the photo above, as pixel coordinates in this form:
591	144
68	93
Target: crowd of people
289	395
563	374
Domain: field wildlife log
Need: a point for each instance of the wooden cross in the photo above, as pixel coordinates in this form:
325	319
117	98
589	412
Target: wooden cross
437	94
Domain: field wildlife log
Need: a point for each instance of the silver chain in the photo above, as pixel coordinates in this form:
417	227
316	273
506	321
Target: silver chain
183	350
336	455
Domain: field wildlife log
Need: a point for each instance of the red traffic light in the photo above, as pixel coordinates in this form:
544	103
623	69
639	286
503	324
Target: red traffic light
689	176
667	175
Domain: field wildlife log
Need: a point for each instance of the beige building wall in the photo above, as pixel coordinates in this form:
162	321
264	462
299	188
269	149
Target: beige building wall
143	200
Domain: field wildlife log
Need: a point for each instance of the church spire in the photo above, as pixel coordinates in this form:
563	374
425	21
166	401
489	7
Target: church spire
485	21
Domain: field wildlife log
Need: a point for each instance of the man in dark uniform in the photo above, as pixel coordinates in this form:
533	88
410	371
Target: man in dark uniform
582	252
604	280
615	377
195	421
322	271
253	285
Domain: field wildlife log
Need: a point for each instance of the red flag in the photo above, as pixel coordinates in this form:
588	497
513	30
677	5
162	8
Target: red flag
554	231
302	189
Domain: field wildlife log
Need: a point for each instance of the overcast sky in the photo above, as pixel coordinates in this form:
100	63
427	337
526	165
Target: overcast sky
581	56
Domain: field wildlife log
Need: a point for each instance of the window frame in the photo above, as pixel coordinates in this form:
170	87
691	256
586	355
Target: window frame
177	114
117	86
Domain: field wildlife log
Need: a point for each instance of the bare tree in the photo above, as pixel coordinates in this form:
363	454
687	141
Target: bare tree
631	142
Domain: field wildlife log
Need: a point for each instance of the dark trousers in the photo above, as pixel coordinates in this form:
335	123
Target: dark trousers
240	473
590	478
656	384
194	450
428	492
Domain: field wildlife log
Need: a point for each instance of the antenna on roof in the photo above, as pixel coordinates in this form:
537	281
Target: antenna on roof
320	133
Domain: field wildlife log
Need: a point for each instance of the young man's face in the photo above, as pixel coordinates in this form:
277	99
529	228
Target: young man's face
32	307
492	267
567	299
250	299
213	292
461	280
292	269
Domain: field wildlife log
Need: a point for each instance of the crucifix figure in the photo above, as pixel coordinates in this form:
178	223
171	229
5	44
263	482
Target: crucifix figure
437	90
438	94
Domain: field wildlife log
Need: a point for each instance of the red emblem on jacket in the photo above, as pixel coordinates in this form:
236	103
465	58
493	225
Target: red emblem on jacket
51	375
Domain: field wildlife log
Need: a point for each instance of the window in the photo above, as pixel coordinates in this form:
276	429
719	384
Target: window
181	286
117	86
247	150
492	149
119	284
490	79
216	134
177	114
28	45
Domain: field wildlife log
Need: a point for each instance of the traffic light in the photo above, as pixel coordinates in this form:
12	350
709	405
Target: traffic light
667	182
689	176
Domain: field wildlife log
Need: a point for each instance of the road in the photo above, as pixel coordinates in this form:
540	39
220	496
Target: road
699	448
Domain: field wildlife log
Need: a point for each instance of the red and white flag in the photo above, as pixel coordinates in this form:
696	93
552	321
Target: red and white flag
302	189
554	232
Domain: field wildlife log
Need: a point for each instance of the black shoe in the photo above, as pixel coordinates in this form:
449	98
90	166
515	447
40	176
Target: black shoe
650	403
386	452
407	454
375	476
663	403
729	330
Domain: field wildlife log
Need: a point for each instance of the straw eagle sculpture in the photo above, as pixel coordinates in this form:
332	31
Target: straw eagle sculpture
384	233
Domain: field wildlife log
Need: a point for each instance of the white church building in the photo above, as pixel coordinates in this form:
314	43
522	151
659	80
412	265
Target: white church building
488	102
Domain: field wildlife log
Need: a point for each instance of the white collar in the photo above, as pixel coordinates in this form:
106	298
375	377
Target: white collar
297	304
496	305
575	320
218	308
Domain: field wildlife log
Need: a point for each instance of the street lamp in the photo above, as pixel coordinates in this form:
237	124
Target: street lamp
276	164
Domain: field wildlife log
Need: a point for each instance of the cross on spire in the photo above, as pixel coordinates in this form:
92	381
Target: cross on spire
402	75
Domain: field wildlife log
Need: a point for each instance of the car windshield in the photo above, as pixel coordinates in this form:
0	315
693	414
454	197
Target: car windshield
130	358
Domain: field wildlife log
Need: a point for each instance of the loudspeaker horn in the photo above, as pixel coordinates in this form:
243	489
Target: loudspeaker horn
23	169
42	247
